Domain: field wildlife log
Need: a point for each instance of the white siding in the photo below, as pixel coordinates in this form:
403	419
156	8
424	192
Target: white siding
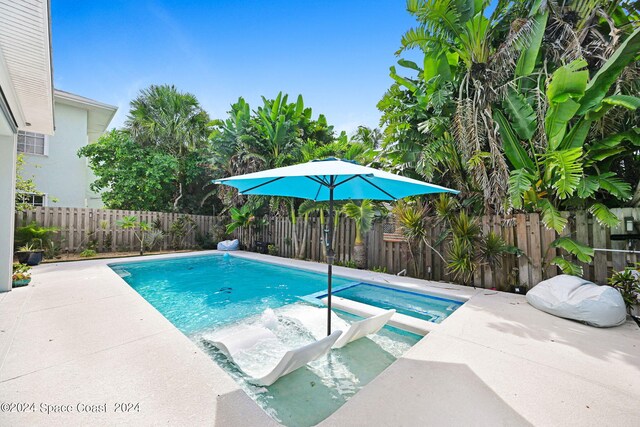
25	54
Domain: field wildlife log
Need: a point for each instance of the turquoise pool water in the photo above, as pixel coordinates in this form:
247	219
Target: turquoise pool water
309	395
201	294
431	308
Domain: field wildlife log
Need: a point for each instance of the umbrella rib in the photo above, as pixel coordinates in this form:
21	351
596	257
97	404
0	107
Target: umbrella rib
317	193
260	185
348	179
372	184
321	180
315	179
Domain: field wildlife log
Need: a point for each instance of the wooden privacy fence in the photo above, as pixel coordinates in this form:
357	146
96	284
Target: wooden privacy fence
81	228
386	249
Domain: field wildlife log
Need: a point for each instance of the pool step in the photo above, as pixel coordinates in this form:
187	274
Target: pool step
398	320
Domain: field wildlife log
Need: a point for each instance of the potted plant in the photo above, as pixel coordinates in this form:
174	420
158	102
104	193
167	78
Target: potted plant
31	239
627	282
29	254
21	275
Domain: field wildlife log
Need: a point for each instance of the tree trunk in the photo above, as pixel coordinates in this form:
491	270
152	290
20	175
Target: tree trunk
302	252
294	237
360	255
336	222
177	199
322	235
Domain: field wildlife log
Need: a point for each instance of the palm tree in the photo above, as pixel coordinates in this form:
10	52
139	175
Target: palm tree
233	150
132	223
412	216
163	117
362	214
370	138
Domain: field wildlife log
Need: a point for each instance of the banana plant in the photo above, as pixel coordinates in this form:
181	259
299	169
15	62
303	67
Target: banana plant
571	169
277	123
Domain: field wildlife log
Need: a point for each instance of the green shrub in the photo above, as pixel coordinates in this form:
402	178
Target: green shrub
33	234
206	241
52	250
348	264
627	282
272	249
88	253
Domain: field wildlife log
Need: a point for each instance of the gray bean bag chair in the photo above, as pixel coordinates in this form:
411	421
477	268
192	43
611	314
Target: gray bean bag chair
228	245
575	298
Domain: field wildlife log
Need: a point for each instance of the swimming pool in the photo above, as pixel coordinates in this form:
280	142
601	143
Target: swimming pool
427	307
204	293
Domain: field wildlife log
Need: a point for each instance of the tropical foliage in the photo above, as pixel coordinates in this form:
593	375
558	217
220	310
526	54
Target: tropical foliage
278	133
362	214
140	229
523	106
242	217
628	284
156	161
530	106
34	235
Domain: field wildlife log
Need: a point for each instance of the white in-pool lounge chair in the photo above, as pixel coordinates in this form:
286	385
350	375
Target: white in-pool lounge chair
314	319
238	345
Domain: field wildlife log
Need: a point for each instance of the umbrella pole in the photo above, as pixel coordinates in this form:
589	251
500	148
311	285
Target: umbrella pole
330	257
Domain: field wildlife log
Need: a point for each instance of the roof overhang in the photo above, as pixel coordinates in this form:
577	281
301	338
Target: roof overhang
99	114
25	64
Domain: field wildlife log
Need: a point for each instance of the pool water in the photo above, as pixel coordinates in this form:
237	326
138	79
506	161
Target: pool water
427	307
309	395
207	293
202	292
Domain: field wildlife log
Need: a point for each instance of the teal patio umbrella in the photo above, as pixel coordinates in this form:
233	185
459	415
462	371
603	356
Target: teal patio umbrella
330	179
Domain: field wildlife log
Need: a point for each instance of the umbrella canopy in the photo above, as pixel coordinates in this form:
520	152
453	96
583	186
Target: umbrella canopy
330	179
313	180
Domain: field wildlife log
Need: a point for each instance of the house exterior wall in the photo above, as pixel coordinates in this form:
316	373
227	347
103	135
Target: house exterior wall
26	94
7	203
61	174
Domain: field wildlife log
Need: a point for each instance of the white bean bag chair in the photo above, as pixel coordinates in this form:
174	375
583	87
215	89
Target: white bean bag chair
575	298
228	245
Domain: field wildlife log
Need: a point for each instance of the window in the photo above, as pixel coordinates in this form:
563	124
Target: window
32	199
31	143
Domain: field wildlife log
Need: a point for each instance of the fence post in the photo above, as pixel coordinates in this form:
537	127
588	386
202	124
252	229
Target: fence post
521	240
535	249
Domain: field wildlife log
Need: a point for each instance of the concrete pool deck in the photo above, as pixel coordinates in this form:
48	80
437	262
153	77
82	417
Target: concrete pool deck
79	335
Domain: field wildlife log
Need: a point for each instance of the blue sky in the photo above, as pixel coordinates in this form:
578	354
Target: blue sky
335	53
